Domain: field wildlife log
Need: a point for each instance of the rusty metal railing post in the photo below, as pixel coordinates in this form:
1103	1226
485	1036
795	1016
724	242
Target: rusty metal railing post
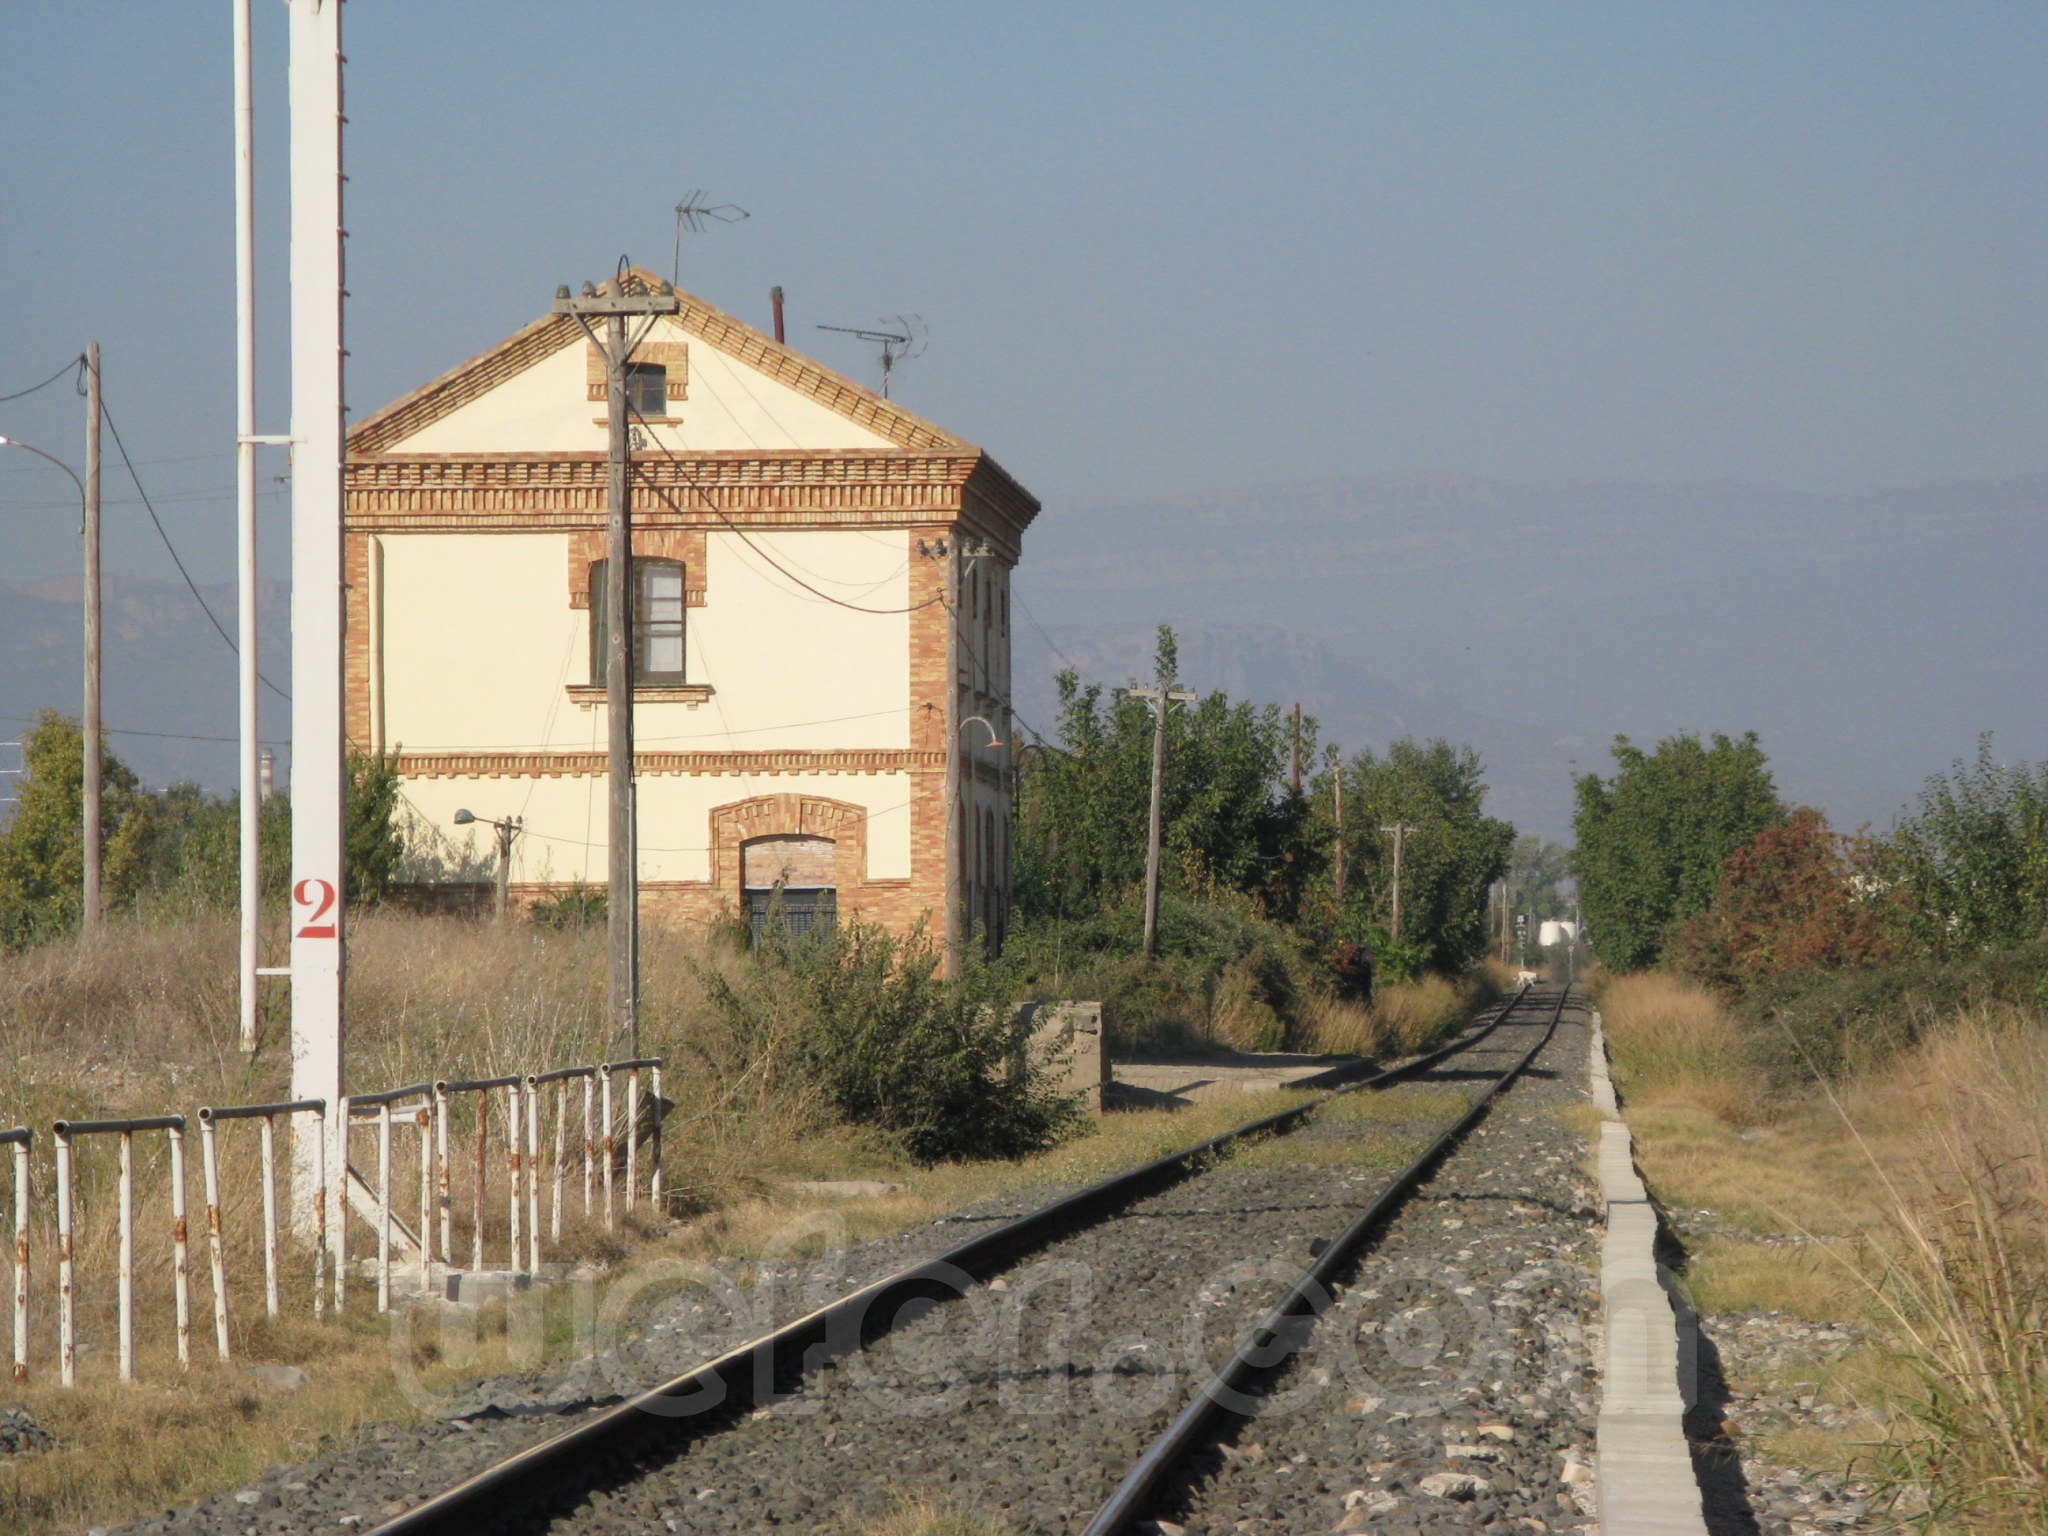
532	1094
654	1143
589	1145
267	1132
209	1170
476	1237
19	1138
605	1148
561	1131
181	1281
127	1260
338	1178
441	1192
512	1161
424	1119
67	1296
632	1134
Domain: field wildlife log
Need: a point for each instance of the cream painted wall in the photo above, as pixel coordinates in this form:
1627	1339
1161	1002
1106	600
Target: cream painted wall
478	638
565	819
731	405
480	643
792	669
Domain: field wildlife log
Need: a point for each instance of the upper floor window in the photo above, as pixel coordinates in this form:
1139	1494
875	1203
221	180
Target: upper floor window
657	602
646	389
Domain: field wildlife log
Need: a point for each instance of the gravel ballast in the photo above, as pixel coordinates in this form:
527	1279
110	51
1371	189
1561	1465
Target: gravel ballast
1023	1403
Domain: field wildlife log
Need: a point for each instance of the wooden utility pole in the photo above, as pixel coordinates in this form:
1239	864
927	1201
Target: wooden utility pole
1159	698
622	892
91	730
1400	833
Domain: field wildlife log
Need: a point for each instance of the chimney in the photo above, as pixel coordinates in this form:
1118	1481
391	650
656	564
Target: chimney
775	298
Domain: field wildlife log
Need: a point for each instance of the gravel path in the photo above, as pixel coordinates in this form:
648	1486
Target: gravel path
1022	1403
1452	1385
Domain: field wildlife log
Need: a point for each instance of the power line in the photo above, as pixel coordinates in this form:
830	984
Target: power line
75	363
190	585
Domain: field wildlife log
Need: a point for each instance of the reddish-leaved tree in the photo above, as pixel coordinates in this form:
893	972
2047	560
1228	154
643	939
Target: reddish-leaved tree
1798	895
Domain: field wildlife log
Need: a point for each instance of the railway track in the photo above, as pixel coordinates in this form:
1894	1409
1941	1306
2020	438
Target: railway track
1056	1372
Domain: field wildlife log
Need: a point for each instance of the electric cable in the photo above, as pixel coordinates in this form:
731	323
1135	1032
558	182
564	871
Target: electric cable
190	585
77	362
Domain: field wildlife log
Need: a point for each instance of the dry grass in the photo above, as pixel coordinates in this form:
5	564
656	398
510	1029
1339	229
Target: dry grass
1403	1017
1922	1186
144	1022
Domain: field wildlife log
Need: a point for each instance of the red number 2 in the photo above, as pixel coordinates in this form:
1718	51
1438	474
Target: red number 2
319	895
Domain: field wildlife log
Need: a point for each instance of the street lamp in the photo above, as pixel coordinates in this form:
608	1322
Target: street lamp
507	830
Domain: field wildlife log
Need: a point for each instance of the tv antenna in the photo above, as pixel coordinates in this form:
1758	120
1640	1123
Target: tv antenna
906	340
692	214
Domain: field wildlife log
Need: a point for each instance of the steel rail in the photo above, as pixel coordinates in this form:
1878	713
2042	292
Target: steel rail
1285	1328
524	1487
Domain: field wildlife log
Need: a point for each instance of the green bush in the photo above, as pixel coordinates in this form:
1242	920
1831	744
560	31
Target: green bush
575	905
865	1018
1225	976
1824	1022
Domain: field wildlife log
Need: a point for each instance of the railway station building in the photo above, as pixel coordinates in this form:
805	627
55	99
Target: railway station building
821	614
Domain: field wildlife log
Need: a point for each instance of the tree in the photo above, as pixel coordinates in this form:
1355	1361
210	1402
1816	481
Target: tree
1652	841
1798	896
1974	857
42	849
1537	874
1451	854
373	842
1227	820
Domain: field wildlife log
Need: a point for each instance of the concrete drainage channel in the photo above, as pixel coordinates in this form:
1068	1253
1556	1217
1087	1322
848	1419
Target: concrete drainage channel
883	1392
1647	1485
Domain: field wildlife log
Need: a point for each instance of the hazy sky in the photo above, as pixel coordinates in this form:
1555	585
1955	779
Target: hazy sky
1160	248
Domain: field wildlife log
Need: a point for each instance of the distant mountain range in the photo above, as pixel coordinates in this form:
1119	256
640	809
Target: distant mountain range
1868	637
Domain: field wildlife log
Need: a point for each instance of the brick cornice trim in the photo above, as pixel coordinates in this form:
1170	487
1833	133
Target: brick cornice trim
578	764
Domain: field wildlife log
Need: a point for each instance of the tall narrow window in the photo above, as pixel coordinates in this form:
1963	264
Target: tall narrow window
658	604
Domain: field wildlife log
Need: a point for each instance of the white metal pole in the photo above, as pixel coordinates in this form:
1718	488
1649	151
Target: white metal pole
589	1146
632	1134
532	1176
181	1283
209	1167
319	1140
318	766
67	1295
561	1131
441	1193
383	1207
245	515
21	1260
268	1131
512	1171
605	1147
424	1119
654	1145
127	1277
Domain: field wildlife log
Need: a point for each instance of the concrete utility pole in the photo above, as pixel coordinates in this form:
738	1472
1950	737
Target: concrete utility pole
1400	834
319	763
1159	698
91	727
622	891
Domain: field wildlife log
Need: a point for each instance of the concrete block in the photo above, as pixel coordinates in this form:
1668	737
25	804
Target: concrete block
1066	1042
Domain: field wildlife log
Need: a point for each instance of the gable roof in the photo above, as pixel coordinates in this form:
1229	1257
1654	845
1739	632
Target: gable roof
380	431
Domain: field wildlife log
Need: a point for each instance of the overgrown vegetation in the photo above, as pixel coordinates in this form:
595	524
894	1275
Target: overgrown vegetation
1861	1054
165	854
1260	937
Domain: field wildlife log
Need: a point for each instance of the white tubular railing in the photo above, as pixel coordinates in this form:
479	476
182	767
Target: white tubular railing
561	1079
210	1119
632	1069
483	1087
19	1138
379	1105
63	1133
426	1107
